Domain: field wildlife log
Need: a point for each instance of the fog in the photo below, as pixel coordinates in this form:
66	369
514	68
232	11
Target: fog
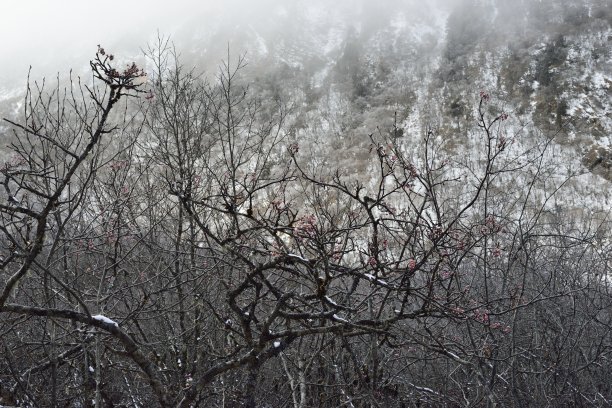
52	35
56	36
47	35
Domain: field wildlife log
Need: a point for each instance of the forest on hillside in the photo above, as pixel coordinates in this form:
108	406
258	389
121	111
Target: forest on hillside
377	205
165	242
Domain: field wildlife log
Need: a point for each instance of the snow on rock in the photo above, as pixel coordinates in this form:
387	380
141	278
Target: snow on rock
277	344
105	319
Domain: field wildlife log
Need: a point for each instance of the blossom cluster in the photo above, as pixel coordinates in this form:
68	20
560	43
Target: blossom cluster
306	226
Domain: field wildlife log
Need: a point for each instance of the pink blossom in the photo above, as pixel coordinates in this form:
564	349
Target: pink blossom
118	165
458	311
306	226
496	252
481	316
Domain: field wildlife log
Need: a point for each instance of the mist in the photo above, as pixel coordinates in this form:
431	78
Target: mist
372	203
54	37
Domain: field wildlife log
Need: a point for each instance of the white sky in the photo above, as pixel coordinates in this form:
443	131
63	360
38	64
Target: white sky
30	24
49	34
56	35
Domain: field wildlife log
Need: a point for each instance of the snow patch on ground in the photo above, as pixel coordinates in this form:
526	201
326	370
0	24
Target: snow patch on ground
334	40
260	43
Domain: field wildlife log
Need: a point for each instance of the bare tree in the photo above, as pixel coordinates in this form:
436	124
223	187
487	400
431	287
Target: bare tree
194	255
56	156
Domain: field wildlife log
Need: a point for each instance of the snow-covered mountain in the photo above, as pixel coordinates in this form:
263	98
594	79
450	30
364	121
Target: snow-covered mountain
352	67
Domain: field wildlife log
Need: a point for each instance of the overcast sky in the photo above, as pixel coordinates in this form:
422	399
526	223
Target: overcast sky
56	35
49	34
